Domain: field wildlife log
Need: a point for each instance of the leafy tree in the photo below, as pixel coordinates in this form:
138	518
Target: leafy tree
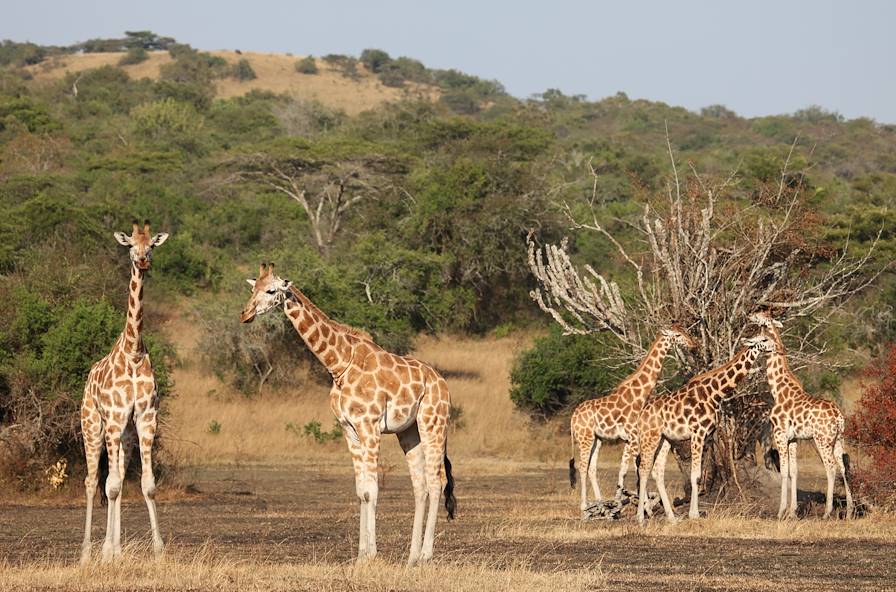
375	59
134	55
168	122
243	71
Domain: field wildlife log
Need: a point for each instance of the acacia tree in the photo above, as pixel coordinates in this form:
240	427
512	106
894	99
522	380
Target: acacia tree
705	260
328	190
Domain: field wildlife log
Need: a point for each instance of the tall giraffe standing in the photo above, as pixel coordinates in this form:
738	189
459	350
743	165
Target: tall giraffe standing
374	392
615	416
689	413
121	389
797	416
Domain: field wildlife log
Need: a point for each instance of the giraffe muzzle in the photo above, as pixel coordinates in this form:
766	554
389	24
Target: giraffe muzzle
247	316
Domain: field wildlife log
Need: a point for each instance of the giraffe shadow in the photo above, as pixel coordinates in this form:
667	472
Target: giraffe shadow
809	503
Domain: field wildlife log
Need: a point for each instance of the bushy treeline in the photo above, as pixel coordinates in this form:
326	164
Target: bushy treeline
442	197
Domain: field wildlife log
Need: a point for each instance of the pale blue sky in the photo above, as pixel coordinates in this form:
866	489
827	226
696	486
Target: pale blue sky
757	57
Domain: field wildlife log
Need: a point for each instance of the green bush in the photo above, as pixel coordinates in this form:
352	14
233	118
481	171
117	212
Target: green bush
375	59
243	71
307	65
134	55
560	371
168	123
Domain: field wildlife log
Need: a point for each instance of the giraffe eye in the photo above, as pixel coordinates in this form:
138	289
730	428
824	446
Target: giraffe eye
271	291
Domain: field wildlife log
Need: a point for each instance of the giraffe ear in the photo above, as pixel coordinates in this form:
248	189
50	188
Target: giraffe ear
286	284
159	239
251	282
122	239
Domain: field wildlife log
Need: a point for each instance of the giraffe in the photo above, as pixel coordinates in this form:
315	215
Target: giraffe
615	416
374	392
120	406
797	416
689	413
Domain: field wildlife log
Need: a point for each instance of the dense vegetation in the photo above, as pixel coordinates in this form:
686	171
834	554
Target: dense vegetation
446	193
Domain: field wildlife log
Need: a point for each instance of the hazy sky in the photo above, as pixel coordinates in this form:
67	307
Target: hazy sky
757	57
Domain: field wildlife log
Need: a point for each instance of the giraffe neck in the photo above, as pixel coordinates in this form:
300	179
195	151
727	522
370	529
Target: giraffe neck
643	380
330	342
131	341
777	370
730	374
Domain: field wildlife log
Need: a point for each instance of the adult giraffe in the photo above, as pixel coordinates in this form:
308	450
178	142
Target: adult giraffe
689	413
374	392
119	398
615	416
796	416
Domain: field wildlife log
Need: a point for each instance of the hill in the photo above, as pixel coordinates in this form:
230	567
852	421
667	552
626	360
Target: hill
274	73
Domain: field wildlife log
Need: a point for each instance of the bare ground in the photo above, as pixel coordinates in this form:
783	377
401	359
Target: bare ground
289	514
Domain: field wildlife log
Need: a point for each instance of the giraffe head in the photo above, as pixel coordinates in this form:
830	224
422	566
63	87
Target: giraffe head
761	343
764	319
679	336
268	291
141	244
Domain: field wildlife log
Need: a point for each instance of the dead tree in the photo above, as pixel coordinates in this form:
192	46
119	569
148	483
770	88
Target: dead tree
706	260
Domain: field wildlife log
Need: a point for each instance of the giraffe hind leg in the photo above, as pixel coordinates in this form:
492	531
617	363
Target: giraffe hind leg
413	452
843	464
92	432
146	428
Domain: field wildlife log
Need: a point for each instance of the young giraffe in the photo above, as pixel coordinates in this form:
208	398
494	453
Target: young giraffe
689	412
119	398
797	416
615	416
374	392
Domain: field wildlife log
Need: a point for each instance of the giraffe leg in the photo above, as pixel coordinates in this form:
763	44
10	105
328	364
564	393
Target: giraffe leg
791	454
592	470
146	429
659	475
413	453
586	443
628	452
125	451
841	464
697	441
784	460
365	454
113	486
92	431
648	445
826	450
433	410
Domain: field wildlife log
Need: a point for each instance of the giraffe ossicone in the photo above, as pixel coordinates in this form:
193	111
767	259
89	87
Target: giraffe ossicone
615	416
374	392
797	416
120	406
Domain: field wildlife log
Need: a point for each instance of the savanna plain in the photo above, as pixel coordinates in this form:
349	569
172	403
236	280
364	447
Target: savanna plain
257	505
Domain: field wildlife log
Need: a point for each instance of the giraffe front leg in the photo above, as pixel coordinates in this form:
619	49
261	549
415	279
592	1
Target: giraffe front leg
627	453
92	432
697	441
364	442
113	487
413	453
146	429
585	445
784	465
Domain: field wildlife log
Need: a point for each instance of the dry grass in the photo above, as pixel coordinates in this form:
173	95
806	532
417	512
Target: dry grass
205	570
275	73
490	429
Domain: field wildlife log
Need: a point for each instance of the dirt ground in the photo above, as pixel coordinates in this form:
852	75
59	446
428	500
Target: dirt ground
307	512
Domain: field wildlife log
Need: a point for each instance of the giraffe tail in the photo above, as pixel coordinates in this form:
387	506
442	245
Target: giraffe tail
846	469
572	462
450	500
773	459
103	475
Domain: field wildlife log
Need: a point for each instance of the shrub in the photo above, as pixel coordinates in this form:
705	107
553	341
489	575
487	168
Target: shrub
375	59
460	101
168	122
873	427
307	65
560	371
347	65
134	55
243	71
313	429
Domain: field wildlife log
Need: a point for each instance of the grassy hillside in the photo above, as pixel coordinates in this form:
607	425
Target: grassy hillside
275	73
